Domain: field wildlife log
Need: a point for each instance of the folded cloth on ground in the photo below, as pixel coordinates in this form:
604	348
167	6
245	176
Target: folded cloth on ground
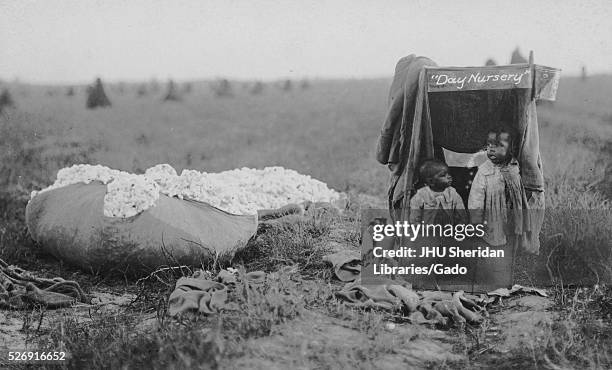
375	296
435	295
226	277
198	295
432	315
19	289
48	299
192	294
407	296
386	296
434	307
503	292
418	318
346	264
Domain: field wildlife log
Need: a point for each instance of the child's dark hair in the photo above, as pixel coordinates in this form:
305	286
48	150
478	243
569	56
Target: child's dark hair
506	129
430	168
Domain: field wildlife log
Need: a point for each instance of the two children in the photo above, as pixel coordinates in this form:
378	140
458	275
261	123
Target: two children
496	196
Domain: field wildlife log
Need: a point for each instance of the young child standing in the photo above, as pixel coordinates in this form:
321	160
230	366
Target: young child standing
437	202
497	195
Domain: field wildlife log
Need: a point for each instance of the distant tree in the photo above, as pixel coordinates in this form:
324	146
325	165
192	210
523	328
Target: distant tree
287	86
171	93
223	88
257	88
490	62
142	90
6	100
517	57
154	85
96	97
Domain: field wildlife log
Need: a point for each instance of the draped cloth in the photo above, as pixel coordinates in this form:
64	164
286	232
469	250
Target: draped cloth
400	138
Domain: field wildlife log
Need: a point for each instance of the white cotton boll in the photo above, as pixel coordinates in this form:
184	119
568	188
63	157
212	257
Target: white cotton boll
128	195
165	176
164	169
161	173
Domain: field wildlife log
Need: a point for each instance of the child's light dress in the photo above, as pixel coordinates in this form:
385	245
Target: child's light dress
497	196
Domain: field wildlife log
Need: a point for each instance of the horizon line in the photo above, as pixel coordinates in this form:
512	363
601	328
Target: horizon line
18	81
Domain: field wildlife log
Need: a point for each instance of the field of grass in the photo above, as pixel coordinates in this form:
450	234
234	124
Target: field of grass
327	131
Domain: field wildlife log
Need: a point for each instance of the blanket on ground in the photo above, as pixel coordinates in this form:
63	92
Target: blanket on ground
346	264
20	289
426	307
197	294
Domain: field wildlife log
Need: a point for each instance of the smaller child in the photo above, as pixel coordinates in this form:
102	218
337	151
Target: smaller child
437	202
497	195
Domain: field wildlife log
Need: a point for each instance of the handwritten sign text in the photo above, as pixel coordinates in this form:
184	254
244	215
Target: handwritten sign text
478	79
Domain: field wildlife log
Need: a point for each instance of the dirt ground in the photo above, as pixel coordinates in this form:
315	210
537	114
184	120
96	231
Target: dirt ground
20	329
301	343
314	337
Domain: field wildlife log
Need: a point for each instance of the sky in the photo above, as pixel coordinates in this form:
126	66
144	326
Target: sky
59	41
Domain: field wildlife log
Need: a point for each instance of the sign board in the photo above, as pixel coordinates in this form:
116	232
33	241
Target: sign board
520	76
478	78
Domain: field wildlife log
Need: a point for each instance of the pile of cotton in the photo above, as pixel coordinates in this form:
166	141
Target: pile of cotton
246	190
239	191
